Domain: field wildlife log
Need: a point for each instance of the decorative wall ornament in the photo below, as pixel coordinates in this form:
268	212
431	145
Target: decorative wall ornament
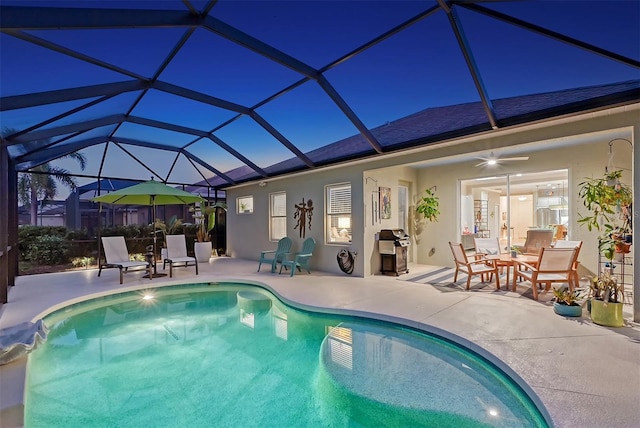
385	202
304	212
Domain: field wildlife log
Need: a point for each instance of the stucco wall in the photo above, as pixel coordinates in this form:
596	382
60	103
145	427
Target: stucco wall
587	154
248	234
585	160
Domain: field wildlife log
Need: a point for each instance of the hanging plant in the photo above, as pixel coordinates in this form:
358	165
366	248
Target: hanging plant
608	201
429	206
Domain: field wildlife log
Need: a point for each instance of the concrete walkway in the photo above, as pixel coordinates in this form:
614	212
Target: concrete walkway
584	374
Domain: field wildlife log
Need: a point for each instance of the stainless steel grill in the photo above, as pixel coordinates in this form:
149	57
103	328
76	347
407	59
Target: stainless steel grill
392	245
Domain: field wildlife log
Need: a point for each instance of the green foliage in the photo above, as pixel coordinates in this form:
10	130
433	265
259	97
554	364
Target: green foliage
606	288
84	262
27	236
172	227
565	296
137	236
429	206
608	201
48	250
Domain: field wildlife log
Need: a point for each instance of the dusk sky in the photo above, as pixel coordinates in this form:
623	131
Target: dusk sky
420	67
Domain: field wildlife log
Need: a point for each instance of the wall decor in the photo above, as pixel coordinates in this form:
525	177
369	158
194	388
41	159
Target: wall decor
303	213
385	202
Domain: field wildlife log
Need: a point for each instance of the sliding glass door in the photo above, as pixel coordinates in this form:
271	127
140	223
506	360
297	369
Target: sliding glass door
507	206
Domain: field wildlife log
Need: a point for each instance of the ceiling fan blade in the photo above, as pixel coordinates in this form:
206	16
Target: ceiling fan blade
521	158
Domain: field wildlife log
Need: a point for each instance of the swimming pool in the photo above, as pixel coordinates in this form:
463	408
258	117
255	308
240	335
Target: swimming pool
233	355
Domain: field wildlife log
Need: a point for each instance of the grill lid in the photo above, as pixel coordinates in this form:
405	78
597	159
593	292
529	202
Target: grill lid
393	235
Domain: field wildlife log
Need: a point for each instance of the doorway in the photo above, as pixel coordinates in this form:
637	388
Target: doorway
507	206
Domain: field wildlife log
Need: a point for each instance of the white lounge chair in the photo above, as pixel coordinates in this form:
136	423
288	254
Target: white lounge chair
177	253
117	256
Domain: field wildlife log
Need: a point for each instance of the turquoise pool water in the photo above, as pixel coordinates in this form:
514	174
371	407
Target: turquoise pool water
232	355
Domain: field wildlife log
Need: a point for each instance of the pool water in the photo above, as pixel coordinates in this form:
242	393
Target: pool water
232	355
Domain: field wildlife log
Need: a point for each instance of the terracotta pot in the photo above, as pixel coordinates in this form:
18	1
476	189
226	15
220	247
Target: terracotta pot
623	247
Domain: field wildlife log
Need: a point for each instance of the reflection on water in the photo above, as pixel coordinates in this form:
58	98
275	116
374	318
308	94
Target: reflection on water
234	354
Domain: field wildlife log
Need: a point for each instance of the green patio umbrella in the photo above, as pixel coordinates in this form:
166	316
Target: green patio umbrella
150	193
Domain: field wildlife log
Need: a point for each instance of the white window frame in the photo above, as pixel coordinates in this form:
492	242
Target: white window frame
338	214
248	204
277	214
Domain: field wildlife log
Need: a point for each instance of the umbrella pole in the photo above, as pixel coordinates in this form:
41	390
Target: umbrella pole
155	235
99	233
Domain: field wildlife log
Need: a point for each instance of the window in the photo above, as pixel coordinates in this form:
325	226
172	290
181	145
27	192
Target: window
338	213
277	216
244	204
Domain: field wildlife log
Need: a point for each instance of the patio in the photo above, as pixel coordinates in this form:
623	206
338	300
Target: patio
561	359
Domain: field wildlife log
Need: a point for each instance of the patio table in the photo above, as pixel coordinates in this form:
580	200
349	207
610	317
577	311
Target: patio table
505	260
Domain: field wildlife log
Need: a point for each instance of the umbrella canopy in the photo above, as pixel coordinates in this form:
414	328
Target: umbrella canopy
149	193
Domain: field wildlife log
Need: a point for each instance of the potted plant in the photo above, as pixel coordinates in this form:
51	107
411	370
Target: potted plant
429	206
607	299
205	221
567	302
609	201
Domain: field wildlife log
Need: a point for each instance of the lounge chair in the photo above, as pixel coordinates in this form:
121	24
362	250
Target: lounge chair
177	254
117	256
274	257
299	260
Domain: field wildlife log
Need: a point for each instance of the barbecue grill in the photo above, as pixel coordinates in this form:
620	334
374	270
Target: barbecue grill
392	245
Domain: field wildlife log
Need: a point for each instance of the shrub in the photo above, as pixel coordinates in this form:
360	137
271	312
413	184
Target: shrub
28	234
48	250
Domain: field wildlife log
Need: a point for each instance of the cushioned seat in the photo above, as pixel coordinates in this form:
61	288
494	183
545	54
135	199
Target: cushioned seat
177	254
117	256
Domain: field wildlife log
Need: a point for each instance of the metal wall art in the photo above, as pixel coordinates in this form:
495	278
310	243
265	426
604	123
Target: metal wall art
304	212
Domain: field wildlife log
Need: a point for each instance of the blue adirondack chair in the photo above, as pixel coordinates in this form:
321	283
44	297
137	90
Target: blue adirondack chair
273	257
299	260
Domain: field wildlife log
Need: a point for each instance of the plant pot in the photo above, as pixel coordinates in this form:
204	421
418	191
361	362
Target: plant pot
607	314
623	247
202	251
567	310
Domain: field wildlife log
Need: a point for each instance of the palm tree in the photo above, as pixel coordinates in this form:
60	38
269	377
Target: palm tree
40	184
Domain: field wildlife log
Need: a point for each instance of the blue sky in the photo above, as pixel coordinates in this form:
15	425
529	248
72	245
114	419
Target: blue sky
418	68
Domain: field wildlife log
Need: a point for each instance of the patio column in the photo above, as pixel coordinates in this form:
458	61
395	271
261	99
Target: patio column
8	222
635	218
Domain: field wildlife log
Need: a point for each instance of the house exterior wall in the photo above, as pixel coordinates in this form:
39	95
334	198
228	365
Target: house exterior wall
577	143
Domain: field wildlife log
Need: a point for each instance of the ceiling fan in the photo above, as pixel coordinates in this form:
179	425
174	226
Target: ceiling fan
493	159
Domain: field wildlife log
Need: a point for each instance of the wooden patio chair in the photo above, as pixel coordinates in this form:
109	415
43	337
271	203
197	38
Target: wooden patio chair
480	267
554	265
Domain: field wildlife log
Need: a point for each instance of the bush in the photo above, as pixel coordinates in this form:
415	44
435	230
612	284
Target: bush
27	236
48	250
137	237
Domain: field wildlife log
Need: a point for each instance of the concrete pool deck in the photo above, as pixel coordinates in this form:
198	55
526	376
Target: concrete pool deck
584	374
